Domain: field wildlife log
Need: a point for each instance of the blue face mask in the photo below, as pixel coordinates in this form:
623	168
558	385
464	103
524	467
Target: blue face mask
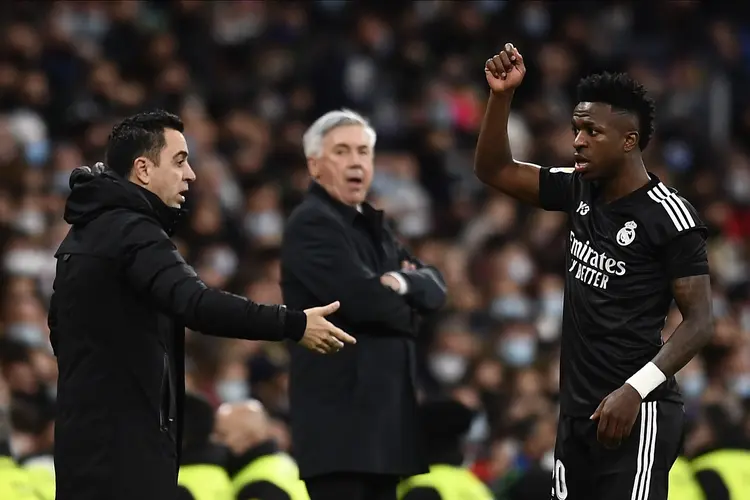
518	351
693	385
232	390
552	303
741	385
37	153
28	333
511	307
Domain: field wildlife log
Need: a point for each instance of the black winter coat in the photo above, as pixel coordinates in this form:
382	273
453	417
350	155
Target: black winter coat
356	410
122	298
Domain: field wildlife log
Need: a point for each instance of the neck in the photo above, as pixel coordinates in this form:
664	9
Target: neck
631	176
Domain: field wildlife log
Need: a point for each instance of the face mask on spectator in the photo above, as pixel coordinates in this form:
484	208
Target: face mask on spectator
232	390
29	333
520	270
552	303
23	263
21	445
693	384
548	327
60	182
447	367
741	385
511	307
264	224
37	153
30	222
517	351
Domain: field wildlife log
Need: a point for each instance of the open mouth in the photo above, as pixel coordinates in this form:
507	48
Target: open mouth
182	195
582	163
354	182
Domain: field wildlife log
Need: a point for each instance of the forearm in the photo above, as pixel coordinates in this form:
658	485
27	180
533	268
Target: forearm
693	297
493	145
687	340
222	314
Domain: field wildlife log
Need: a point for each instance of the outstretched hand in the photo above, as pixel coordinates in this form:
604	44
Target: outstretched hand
321	335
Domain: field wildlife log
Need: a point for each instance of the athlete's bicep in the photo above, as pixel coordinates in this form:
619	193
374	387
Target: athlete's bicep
518	180
692	294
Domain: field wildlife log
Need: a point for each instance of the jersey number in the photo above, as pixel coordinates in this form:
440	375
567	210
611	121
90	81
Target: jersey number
560	488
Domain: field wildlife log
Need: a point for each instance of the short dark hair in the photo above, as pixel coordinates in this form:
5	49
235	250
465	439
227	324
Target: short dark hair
621	92
139	135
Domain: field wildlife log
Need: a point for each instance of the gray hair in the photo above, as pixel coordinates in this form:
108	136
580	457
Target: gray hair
312	141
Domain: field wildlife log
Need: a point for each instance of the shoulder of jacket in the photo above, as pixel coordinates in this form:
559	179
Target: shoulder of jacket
309	211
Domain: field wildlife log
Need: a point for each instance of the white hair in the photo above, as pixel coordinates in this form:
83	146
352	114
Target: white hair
312	141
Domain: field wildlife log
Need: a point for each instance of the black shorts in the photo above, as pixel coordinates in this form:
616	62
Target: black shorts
637	470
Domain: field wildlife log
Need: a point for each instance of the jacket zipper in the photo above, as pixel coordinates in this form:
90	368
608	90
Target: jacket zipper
165	396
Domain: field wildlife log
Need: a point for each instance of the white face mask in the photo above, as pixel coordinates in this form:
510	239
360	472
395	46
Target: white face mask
23	262
21	445
447	367
520	270
265	224
30	222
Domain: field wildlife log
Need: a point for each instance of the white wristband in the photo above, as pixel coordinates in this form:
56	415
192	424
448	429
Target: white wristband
647	379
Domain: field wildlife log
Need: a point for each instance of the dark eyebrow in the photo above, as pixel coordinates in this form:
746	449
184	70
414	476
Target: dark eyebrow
180	153
585	120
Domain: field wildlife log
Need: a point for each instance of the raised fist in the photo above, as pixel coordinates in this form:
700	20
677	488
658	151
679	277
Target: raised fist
506	70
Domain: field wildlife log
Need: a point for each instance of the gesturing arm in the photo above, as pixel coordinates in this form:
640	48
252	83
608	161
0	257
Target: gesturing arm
155	268
493	160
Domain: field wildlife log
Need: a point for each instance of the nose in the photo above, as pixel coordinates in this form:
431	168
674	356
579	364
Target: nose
579	141
189	174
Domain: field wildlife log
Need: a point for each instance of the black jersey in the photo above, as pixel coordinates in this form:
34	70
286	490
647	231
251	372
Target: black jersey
621	260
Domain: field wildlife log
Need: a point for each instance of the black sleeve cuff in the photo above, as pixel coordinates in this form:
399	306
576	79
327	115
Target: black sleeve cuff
295	323
687	270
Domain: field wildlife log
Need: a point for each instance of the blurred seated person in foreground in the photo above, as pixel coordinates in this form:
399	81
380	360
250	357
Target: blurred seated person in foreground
258	469
202	475
445	423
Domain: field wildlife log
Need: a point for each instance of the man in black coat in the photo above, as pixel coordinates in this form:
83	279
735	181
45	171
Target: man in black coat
354	416
122	298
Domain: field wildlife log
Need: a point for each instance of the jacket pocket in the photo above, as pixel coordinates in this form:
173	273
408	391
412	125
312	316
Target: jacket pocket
166	407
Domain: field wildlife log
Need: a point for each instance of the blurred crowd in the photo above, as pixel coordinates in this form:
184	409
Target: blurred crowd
247	78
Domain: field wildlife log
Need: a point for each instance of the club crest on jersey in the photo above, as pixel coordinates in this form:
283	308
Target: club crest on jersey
626	235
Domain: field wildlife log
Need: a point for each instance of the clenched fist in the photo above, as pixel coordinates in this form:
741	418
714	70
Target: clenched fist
505	71
321	335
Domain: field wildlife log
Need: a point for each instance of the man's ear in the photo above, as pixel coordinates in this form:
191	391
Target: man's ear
313	168
142	170
631	141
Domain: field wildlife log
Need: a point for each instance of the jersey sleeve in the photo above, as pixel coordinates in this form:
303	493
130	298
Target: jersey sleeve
679	233
556	188
686	255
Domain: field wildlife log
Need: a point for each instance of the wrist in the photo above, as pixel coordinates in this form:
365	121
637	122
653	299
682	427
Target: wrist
645	380
403	285
295	323
506	94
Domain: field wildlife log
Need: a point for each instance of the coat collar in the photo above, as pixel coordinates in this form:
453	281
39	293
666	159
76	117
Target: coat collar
349	213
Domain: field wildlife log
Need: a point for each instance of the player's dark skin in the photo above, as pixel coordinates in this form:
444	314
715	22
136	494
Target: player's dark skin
606	150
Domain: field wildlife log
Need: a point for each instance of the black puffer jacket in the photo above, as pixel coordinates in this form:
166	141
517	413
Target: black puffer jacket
122	298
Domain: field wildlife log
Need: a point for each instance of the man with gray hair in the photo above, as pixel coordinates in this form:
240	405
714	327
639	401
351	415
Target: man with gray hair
354	414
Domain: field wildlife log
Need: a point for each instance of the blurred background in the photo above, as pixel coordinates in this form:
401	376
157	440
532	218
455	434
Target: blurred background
248	77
